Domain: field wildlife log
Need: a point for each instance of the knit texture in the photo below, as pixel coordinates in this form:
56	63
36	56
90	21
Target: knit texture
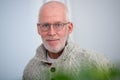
73	59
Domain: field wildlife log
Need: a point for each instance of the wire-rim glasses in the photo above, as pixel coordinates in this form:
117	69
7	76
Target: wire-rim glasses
56	26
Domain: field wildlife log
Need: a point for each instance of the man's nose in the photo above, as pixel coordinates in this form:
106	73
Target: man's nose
51	30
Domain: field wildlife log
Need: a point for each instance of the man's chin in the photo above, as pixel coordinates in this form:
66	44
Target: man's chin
54	51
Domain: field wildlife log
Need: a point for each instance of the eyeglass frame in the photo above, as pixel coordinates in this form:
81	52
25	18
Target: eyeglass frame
55	27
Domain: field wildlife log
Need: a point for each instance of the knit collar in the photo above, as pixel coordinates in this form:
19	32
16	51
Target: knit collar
41	53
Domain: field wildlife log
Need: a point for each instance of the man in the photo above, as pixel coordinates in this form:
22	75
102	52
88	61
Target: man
58	53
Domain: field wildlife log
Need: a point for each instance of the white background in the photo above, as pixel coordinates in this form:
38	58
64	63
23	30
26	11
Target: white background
96	27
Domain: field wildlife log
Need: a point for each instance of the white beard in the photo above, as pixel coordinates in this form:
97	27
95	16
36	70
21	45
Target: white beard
59	47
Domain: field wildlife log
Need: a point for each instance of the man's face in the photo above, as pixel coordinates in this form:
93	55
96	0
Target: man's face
54	41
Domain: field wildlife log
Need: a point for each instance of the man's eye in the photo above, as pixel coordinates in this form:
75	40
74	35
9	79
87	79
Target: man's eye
58	25
45	25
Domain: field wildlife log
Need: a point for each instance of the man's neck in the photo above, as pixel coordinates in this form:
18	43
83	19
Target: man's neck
54	55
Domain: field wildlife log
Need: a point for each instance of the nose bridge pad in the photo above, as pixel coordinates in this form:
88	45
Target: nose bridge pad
51	29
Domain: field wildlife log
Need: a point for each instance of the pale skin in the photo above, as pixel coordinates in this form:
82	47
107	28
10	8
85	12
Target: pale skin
54	41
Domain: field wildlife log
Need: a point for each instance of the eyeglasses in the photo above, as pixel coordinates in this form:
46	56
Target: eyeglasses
57	26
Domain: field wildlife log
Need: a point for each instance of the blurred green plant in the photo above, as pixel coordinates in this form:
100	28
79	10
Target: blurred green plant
91	74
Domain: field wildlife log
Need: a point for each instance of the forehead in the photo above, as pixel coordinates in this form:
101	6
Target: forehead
54	4
53	11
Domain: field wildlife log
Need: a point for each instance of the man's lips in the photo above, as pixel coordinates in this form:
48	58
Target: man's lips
52	40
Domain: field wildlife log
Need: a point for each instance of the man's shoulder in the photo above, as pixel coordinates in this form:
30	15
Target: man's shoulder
88	52
90	55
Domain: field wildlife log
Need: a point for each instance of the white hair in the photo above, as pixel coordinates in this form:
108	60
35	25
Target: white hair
68	14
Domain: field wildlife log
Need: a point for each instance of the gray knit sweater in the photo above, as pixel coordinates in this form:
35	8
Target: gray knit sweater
72	59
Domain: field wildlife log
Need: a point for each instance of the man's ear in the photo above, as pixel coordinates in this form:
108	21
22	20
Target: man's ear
38	28
70	27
